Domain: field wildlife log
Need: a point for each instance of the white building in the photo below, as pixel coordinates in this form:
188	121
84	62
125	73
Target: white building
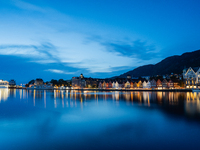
127	84
113	85
144	84
148	84
191	77
4	84
116	85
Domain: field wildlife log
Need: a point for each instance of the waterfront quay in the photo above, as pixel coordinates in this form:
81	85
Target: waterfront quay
111	89
164	90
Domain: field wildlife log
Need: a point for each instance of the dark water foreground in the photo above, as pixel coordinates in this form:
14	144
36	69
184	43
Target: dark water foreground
99	120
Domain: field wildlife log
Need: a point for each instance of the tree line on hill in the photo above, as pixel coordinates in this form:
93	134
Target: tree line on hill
54	82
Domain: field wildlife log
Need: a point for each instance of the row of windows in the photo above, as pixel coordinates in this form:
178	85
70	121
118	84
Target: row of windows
191	82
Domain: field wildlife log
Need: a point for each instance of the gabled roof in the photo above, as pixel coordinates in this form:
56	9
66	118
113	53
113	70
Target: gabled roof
195	69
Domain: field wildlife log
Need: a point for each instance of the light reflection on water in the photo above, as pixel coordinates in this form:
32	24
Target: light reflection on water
40	119
191	99
3	94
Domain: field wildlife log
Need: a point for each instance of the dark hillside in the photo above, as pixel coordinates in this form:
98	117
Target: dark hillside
172	64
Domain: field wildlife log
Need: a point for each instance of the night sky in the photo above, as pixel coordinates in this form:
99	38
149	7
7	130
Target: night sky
53	39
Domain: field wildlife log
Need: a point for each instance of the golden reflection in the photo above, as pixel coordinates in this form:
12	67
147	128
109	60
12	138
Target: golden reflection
66	94
127	96
75	94
131	96
95	95
62	95
55	94
20	93
63	103
24	94
34	98
44	98
3	94
192	105
190	101
55	104
159	96
148	101
171	98
145	96
113	96
117	95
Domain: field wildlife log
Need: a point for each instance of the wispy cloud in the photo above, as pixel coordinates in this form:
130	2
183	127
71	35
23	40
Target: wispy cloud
53	37
135	49
27	6
59	71
40	53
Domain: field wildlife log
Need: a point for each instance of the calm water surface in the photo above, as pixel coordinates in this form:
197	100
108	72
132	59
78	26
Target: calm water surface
33	119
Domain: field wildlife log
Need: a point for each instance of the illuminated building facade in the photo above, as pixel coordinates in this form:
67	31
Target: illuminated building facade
4	84
153	83
12	83
38	82
78	82
191	77
164	84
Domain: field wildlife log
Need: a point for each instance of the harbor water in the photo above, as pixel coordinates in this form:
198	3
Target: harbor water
64	119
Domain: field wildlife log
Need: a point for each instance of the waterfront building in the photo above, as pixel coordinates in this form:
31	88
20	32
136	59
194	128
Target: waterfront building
153	83
104	84
91	83
78	82
170	84
198	78
116	85
148	85
4	84
144	84
159	84
135	85
191	77
113	84
123	84
109	84
131	84
100	85
127	84
120	84
139	84
38	82
176	83
164	84
12	83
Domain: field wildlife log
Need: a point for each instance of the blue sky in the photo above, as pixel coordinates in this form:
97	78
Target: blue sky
53	39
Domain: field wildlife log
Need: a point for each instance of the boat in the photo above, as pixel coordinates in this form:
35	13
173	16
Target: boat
195	90
12	84
62	88
41	87
4	84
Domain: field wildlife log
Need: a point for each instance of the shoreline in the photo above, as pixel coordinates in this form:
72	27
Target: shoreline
151	90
